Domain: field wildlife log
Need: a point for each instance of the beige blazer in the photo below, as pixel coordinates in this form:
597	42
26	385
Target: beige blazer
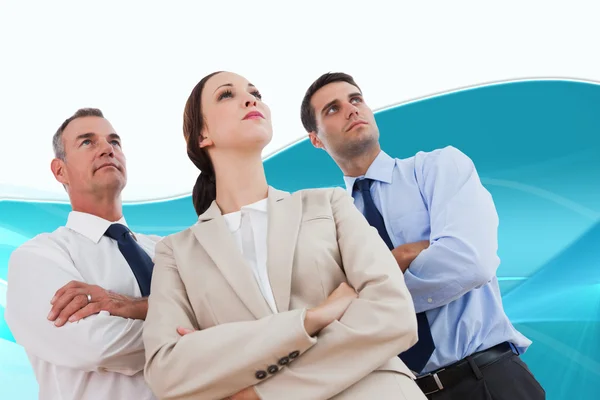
317	239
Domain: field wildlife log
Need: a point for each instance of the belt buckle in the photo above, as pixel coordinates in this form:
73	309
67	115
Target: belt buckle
437	381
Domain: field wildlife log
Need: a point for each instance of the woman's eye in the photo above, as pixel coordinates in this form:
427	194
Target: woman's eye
225	94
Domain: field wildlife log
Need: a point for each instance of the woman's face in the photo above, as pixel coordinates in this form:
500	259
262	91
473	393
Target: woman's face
234	115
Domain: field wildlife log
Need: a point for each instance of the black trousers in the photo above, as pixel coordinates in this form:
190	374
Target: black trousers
508	378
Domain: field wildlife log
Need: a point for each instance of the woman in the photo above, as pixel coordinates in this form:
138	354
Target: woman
264	280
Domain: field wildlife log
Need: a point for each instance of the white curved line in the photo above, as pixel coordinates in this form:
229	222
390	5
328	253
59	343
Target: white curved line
443	93
563	349
480	85
378	109
545	194
512	278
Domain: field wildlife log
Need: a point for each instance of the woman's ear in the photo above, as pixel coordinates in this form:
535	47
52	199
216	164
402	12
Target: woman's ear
205	141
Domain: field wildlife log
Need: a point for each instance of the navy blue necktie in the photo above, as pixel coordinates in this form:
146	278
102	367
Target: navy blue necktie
139	261
417	356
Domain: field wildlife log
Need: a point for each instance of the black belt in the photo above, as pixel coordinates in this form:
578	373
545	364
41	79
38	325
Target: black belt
447	377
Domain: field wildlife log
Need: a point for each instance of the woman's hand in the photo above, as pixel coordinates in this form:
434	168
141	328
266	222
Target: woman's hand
330	310
247	394
315	319
319	317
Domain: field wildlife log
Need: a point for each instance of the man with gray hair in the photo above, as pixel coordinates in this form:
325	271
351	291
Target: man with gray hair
76	298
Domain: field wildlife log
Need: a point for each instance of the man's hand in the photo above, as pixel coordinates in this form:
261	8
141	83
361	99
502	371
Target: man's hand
406	253
70	303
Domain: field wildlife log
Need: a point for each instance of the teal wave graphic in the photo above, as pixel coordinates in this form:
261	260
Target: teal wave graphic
535	144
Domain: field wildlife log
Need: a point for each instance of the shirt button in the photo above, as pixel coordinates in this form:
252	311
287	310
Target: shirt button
430	300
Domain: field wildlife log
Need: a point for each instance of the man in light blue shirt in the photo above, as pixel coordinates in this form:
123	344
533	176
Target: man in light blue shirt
441	225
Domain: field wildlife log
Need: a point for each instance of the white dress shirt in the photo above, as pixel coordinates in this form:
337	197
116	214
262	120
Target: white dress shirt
249	227
100	357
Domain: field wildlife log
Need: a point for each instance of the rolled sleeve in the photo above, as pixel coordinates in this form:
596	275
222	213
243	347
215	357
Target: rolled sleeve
462	254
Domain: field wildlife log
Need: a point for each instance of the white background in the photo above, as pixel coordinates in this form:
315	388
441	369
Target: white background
139	60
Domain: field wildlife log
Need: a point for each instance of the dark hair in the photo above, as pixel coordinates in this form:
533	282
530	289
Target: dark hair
205	189
307	112
57	142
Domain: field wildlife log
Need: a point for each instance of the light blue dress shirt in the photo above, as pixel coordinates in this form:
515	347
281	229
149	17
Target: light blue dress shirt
437	196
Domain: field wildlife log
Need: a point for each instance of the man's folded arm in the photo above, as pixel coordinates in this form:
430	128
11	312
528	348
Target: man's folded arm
464	233
100	342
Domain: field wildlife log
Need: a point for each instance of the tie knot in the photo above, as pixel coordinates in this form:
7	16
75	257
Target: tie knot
116	231
364	185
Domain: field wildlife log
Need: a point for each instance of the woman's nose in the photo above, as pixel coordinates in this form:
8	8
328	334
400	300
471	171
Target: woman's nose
250	101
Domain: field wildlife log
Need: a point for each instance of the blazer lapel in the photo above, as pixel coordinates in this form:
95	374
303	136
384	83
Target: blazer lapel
285	214
216	239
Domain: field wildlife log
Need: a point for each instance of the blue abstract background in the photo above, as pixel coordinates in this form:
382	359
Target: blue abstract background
536	145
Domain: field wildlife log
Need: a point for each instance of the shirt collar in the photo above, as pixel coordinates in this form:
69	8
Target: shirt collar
381	169
234	219
90	226
260	205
